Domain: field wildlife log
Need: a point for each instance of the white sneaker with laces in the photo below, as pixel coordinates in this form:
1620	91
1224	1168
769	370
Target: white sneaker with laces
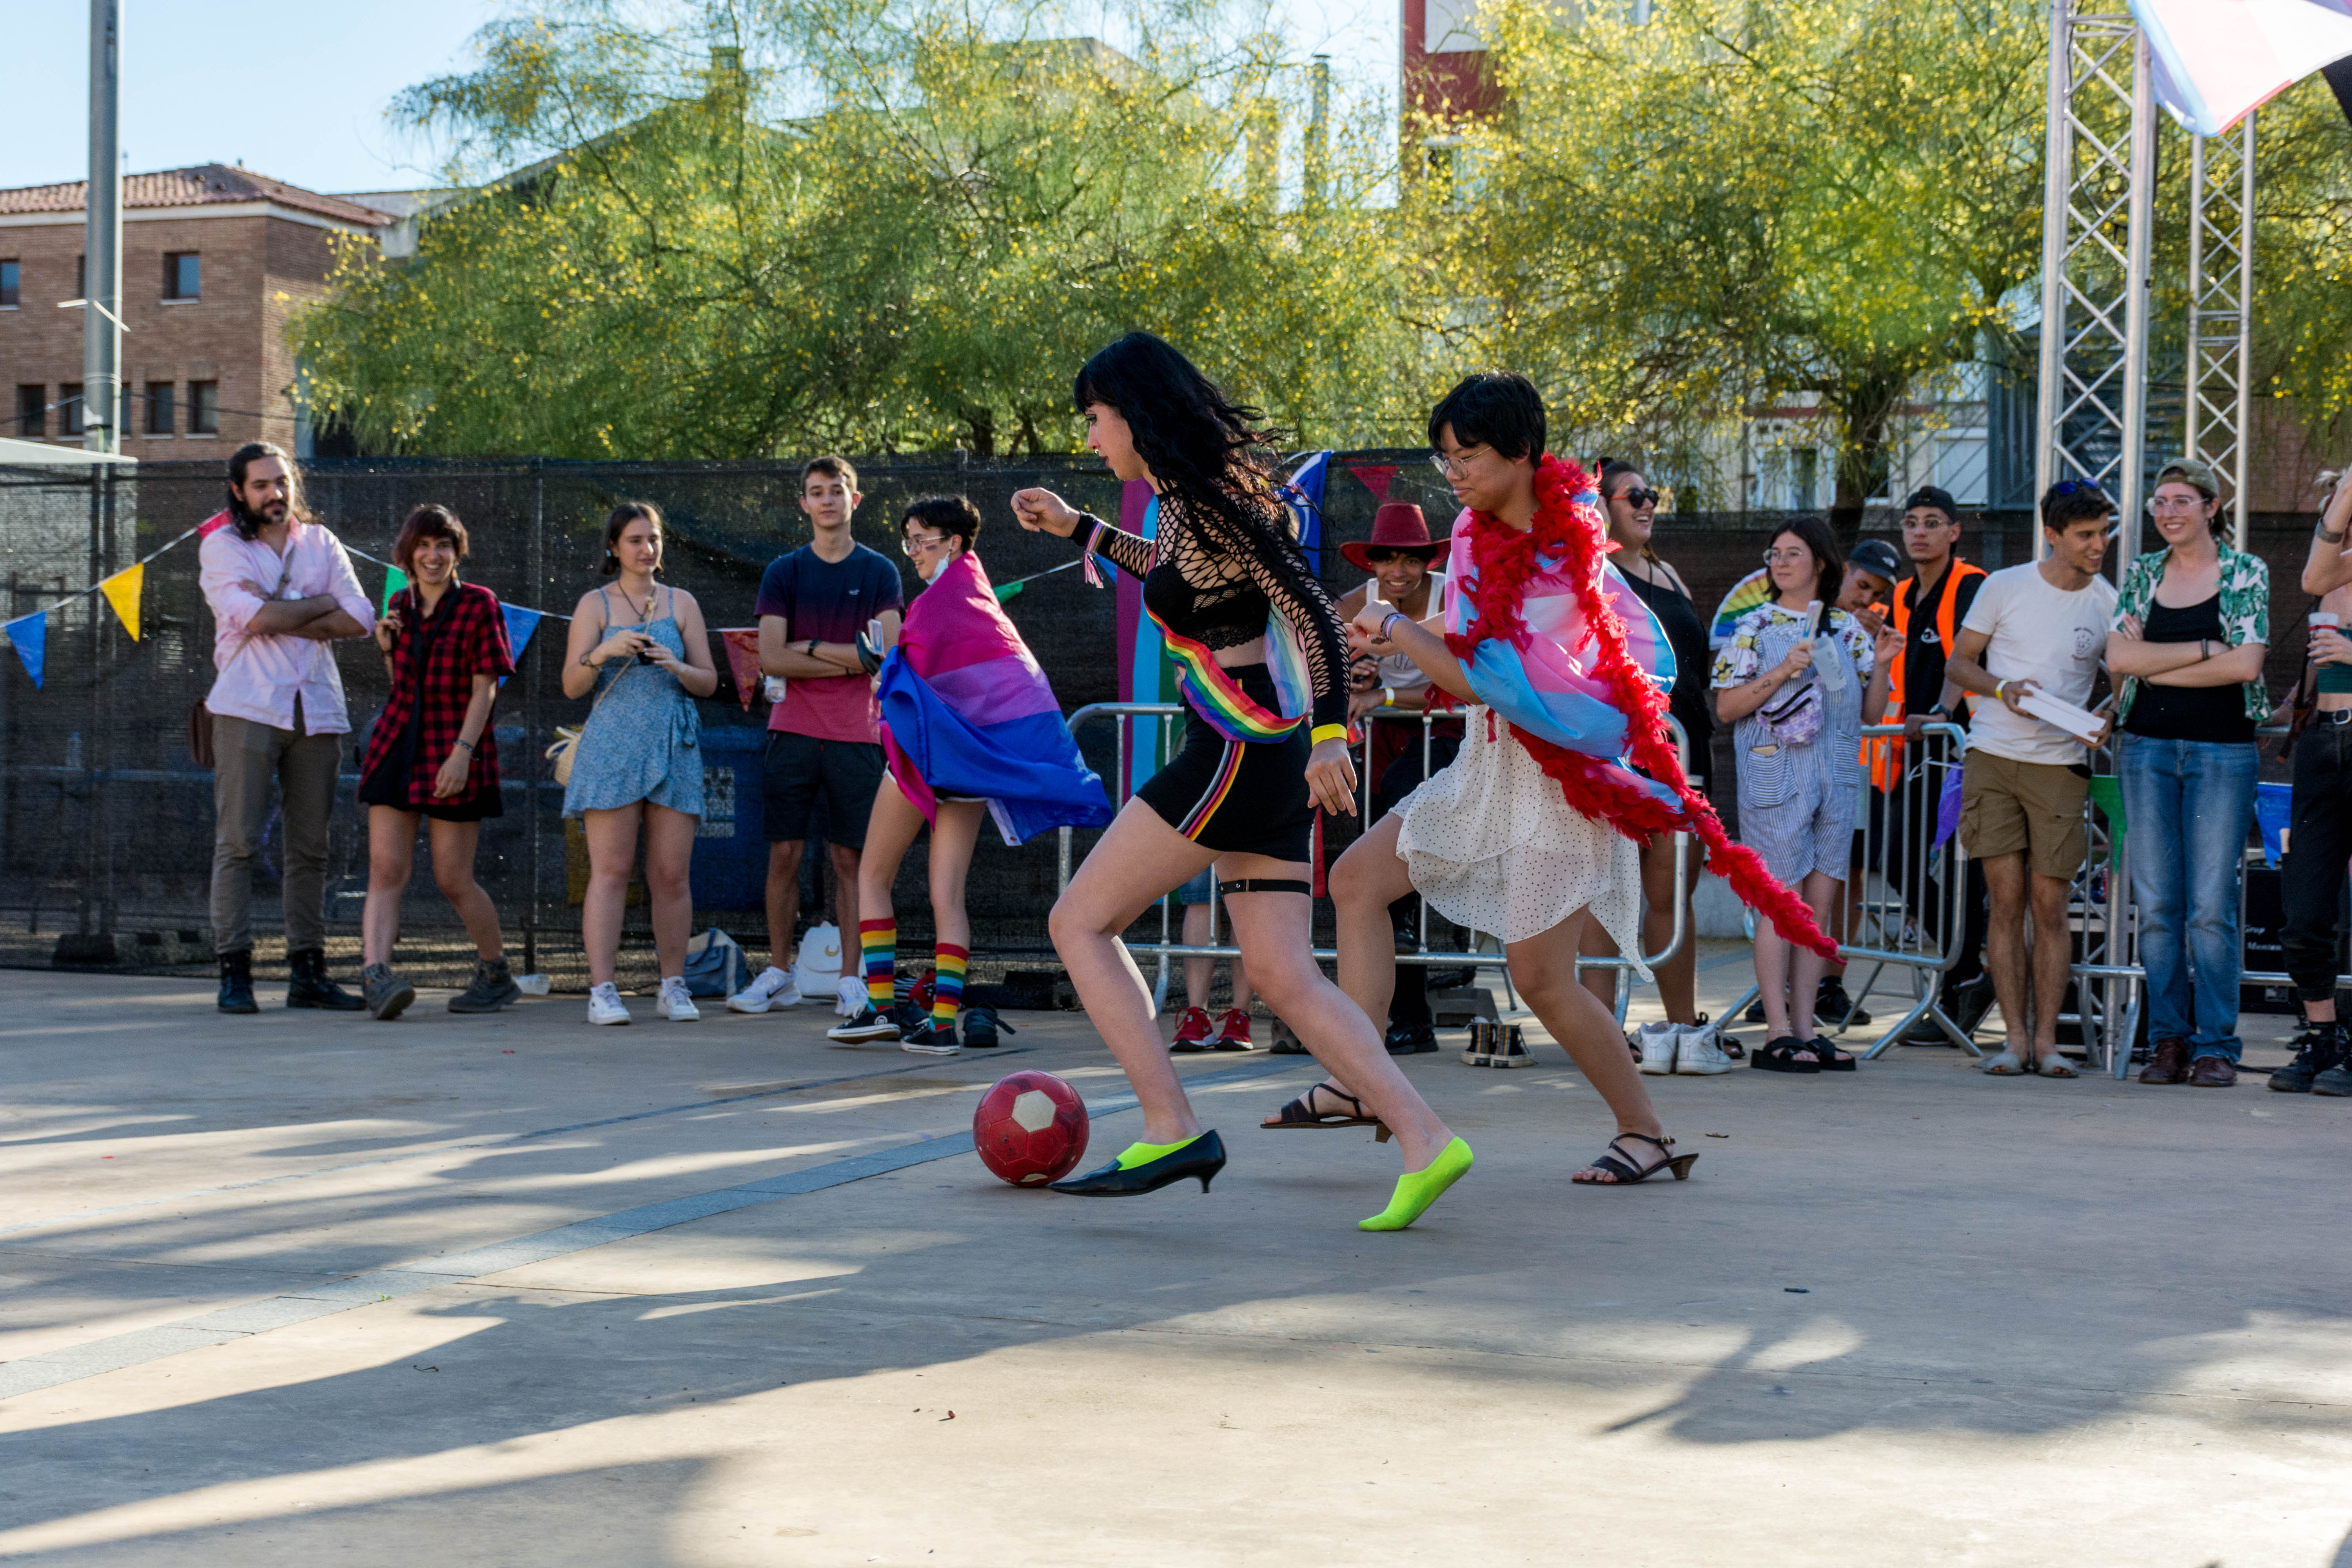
676	1005
1656	1043
604	1004
774	988
1700	1052
849	999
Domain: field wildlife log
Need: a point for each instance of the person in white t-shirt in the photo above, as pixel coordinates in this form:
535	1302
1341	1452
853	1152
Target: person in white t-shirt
2040	629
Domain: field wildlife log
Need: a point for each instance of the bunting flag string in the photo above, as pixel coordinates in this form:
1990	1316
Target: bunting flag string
30	635
1375	478
123	591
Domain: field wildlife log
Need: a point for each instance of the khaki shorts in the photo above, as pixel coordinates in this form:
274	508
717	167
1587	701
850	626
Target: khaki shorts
2009	807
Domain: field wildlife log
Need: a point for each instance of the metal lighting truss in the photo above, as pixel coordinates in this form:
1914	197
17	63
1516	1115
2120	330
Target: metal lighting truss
2096	218
2220	309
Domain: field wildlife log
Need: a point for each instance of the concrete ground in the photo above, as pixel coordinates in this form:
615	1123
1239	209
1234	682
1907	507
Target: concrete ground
513	1290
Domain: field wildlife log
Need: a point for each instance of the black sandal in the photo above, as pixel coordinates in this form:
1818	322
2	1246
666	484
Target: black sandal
1627	1175
1780	1055
1298	1113
1828	1057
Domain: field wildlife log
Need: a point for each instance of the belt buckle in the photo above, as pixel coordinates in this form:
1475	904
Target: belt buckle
2339	716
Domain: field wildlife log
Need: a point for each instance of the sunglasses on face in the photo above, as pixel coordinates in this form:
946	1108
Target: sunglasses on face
1638	498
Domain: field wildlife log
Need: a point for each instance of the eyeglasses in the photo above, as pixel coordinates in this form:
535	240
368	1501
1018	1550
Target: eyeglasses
1787	557
2176	504
1638	498
919	542
1449	467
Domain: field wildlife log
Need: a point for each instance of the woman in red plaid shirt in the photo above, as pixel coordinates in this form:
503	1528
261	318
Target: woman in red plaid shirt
432	756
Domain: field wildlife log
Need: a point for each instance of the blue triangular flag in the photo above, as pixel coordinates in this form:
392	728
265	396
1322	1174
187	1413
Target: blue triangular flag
520	623
30	635
1303	494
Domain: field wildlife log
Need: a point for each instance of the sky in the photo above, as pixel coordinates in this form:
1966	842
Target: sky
297	90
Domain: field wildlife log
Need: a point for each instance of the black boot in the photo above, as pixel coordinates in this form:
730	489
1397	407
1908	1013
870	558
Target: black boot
237	982
307	984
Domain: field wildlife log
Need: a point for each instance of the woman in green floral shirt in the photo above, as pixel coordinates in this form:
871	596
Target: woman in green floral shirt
2191	626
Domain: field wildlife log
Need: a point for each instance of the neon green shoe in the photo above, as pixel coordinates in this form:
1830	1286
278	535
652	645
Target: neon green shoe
1416	1190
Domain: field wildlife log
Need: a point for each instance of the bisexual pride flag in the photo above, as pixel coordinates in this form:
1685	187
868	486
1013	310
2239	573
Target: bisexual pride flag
966	711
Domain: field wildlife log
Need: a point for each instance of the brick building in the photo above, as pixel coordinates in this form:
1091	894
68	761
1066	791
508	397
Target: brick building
214	261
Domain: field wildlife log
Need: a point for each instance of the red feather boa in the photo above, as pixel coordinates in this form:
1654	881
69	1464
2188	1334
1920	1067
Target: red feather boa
1506	561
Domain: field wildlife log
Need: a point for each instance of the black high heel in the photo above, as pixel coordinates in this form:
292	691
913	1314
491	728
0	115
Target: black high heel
1615	1163
1203	1157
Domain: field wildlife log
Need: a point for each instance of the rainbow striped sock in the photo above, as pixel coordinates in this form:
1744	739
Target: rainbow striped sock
947	992
877	944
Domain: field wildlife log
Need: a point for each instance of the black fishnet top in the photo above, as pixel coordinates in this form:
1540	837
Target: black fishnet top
1217	581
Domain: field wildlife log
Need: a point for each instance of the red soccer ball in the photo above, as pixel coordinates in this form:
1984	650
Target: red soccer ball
1030	1129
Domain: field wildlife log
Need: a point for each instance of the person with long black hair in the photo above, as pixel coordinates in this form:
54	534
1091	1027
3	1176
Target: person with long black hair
1261	660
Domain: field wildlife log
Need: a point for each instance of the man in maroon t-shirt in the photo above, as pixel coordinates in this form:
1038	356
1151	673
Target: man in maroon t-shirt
825	737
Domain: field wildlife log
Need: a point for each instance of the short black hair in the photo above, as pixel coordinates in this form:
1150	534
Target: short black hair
1497	408
833	466
952	515
2072	502
1814	535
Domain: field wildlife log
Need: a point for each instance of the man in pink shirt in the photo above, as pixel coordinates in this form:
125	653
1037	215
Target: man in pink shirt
280	589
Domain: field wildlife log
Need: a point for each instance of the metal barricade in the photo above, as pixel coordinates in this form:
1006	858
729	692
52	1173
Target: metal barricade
1906	892
1137	756
2102	910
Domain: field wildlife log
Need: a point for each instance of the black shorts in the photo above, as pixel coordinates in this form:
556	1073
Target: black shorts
797	766
1238	797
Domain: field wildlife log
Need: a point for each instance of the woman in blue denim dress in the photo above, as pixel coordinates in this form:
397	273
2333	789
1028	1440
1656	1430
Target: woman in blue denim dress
640	646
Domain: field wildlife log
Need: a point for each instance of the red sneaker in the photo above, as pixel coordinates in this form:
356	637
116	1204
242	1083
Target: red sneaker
1192	1030
1233	1032
923	990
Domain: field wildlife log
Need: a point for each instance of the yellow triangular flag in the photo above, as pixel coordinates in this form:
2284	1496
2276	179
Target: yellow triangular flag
122	591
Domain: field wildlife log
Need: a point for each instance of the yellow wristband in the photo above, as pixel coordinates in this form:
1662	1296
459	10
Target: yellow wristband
1322	732
1388	697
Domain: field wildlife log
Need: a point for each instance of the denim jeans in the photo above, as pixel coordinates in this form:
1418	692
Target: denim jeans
2189	805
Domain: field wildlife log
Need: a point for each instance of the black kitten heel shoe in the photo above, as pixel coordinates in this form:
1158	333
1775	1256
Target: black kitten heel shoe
1203	1157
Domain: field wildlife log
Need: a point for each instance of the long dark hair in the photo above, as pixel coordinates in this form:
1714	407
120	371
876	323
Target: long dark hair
1198	442
1814	535
247	524
1611	470
627	513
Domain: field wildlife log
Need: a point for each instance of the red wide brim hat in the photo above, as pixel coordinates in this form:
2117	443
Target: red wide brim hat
1398	526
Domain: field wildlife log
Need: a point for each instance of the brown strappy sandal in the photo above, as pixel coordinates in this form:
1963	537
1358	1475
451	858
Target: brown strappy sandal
1627	1175
1299	1114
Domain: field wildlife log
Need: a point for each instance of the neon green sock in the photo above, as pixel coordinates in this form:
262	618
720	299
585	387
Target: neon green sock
1136	1155
1416	1190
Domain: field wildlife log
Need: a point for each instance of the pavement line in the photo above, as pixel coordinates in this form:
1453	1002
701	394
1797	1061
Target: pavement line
73	1362
500	1141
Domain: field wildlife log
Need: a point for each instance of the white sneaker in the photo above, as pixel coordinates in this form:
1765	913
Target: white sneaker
676	1005
773	988
849	998
1656	1043
604	1004
1699	1052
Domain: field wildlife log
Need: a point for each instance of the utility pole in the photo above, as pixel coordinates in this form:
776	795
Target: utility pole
101	319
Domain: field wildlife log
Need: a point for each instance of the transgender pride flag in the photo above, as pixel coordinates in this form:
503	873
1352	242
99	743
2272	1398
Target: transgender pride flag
2217	59
966	711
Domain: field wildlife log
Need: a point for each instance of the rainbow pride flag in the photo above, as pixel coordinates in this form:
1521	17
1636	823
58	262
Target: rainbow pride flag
966	712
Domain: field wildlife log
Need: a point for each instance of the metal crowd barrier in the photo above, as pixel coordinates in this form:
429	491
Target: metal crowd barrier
1138	755
2102	910
1891	922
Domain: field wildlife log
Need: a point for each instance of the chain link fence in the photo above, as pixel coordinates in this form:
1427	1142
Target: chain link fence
108	823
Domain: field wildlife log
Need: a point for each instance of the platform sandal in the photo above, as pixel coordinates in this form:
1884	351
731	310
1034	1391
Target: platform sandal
1780	1055
1300	1113
1626	1174
1830	1058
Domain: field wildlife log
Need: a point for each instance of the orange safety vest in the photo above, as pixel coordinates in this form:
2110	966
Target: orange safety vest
1883	754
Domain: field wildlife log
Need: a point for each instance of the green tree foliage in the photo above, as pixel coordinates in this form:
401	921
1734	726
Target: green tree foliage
849	226
1734	202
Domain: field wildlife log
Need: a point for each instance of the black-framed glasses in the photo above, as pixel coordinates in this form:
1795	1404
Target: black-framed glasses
1637	499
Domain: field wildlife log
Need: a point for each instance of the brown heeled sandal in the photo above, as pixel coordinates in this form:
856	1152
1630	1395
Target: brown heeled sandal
1298	1113
1627	1175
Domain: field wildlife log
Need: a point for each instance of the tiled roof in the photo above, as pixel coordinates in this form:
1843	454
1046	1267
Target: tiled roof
206	185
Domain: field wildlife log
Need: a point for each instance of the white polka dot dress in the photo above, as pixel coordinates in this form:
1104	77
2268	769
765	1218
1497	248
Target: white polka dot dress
1493	845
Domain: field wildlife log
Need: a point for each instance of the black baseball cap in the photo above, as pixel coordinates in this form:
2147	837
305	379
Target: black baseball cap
1936	497
1876	557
